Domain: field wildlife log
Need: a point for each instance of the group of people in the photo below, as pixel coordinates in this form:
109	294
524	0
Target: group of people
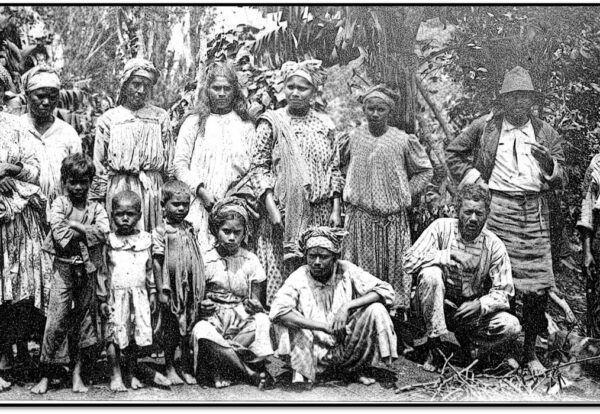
241	239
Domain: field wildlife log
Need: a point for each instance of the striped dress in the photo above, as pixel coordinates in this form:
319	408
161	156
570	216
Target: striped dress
133	151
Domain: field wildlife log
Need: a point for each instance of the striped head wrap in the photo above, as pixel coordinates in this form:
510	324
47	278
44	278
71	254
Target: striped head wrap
329	238
380	91
137	67
310	70
224	207
40	77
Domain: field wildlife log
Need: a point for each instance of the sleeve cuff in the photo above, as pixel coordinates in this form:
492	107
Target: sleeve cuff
442	257
470	177
554	175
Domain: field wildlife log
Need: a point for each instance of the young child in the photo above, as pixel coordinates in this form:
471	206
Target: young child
127	286
78	232
179	273
233	340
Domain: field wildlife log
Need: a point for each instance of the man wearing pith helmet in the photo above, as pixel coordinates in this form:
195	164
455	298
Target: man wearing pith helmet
520	158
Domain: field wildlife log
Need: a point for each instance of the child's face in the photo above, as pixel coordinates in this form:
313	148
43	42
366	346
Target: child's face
230	235
126	214
177	207
77	188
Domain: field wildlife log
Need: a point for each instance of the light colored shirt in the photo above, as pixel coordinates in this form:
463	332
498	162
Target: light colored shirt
228	279
488	274
129	261
516	169
320	301
51	148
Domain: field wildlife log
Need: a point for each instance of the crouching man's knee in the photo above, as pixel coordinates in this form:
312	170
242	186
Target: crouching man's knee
431	277
509	325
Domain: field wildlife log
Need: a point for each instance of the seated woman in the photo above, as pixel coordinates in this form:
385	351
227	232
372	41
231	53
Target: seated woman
232	340
330	316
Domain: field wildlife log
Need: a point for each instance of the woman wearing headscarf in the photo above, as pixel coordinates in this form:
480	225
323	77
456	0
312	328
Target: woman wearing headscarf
24	274
330	315
295	171
133	145
214	145
387	169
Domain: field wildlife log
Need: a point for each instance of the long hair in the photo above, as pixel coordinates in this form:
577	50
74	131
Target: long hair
203	109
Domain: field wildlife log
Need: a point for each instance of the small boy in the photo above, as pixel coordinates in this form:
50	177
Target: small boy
78	232
179	273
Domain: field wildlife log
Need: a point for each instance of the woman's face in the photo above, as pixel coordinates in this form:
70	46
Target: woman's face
220	94
377	112
230	236
298	92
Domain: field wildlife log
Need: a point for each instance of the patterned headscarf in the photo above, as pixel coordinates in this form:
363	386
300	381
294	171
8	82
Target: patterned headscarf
40	77
310	70
329	238
224	207
137	67
380	91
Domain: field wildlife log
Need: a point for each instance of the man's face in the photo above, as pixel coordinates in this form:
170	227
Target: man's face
137	91
517	106
220	94
42	103
320	263
471	218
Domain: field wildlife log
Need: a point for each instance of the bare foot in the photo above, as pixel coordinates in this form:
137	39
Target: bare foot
4	385
429	364
136	384
221	383
161	380
116	384
535	367
366	380
173	377
189	379
78	385
41	387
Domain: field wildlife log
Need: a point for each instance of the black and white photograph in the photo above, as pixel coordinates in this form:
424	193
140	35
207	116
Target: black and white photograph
379	204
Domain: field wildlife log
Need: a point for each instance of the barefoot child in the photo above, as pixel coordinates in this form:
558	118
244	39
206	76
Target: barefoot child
232	340
127	286
78	232
179	273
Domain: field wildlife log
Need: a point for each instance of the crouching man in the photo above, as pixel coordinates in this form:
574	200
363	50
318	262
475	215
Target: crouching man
464	279
330	315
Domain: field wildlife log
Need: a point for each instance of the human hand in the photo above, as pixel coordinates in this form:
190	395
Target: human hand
163	297
468	309
207	198
37	203
589	263
104	309
207	308
335	220
339	322
543	157
152	300
253	306
7	186
460	259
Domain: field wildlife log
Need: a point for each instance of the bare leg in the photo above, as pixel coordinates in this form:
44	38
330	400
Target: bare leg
227	361
136	384
41	387
533	363
186	362
148	375
116	378
171	372
78	385
4	385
